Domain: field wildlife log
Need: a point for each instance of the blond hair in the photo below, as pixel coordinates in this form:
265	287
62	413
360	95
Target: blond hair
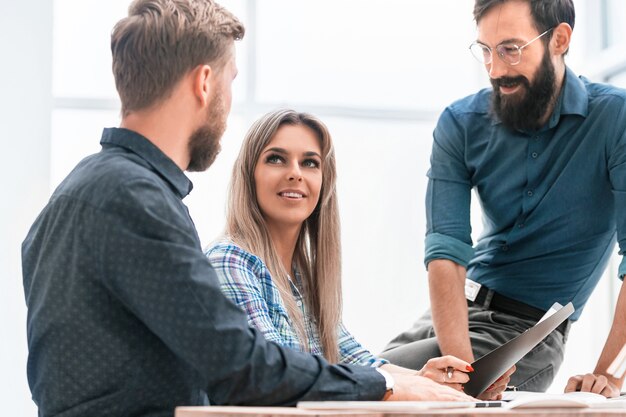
317	254
162	40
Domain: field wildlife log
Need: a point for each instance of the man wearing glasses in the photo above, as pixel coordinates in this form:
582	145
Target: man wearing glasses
545	152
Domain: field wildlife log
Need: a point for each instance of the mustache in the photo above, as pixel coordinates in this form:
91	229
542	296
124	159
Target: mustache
509	81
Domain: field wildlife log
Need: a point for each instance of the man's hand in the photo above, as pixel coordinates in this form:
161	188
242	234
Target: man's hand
494	392
418	388
596	383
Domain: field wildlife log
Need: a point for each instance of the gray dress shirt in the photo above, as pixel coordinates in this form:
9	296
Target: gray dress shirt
125	313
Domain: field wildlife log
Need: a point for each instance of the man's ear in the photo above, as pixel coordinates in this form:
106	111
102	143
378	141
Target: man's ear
562	34
203	83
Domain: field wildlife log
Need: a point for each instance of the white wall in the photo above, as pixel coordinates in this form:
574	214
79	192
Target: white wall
377	76
25	105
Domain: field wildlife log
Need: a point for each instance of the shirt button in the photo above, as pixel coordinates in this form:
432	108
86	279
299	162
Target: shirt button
529	193
534	155
504	248
299	303
520	226
536	138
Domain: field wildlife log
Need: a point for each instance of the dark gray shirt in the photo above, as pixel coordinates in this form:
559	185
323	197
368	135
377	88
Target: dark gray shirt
125	313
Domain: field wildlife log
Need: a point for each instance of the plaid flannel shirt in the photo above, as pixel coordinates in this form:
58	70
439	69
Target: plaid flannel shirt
245	279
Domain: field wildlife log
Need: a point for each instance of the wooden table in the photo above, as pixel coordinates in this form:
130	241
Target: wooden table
215	411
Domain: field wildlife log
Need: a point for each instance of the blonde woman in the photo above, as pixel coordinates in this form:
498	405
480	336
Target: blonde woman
280	259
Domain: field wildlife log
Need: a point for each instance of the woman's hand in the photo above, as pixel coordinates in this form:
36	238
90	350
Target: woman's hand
451	372
447	370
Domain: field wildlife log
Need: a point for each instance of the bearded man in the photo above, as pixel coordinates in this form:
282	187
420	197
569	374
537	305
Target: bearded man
125	313
545	152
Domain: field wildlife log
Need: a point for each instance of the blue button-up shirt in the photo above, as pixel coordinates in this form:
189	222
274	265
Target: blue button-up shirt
553	200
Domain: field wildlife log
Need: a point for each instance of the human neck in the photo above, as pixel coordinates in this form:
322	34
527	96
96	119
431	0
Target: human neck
168	126
284	239
559	72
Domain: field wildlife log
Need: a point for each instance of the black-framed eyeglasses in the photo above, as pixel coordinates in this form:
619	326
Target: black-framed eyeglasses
508	52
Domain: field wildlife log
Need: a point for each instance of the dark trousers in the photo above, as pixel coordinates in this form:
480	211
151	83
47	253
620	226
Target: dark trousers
488	329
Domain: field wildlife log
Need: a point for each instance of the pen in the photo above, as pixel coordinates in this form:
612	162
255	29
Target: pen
489	404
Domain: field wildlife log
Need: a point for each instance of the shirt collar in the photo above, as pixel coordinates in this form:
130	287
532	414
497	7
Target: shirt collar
573	99
145	149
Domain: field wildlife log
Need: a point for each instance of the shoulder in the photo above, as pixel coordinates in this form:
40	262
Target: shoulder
600	90
238	270
474	104
601	94
463	120
467	113
122	191
606	111
224	253
114	177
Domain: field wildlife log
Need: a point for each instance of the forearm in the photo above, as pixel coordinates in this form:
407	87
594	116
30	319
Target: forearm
449	308
395	369
615	340
293	376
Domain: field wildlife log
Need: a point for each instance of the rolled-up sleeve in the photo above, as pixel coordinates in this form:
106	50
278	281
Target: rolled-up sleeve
440	246
448	196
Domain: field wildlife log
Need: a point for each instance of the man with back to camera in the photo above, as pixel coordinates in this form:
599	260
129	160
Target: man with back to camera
545	151
125	314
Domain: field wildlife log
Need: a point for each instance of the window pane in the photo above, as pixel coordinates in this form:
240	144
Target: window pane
82	47
379	53
76	134
619	80
615	17
381	186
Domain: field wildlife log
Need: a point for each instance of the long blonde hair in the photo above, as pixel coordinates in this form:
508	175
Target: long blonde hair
318	248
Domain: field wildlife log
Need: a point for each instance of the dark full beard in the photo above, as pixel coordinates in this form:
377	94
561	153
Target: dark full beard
204	144
526	109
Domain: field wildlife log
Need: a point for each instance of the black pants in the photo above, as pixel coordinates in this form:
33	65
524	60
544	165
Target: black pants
488	329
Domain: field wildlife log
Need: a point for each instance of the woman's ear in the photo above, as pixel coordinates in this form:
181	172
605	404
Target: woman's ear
562	34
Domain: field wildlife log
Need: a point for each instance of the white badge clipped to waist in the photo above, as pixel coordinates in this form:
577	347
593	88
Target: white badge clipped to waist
471	289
